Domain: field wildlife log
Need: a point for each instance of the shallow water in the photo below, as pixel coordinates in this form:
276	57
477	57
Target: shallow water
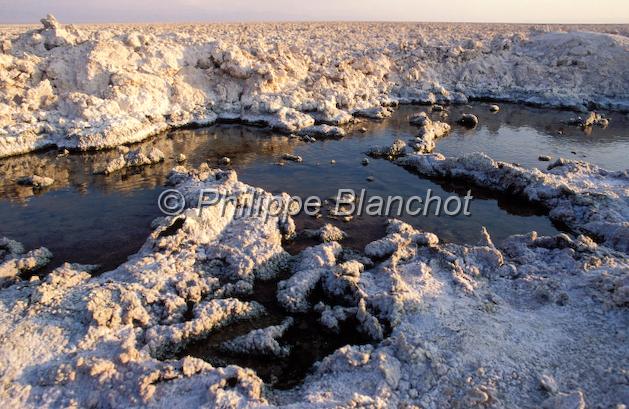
521	134
90	218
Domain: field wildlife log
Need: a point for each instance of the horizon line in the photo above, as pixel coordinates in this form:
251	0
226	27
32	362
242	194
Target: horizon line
22	23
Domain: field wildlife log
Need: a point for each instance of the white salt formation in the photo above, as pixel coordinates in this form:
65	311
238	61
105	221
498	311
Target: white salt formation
429	131
86	87
261	341
532	322
586	198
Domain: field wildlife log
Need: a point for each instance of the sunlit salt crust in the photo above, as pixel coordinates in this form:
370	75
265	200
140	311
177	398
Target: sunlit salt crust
528	323
536	320
94	87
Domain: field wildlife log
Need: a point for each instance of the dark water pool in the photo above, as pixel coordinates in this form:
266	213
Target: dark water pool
91	218
521	134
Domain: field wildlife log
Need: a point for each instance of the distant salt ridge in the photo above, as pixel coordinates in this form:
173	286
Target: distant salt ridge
87	88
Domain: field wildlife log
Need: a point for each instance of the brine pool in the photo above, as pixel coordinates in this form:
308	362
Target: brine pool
97	219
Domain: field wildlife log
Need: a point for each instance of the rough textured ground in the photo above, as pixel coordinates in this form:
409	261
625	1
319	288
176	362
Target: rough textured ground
537	321
582	196
532	322
91	87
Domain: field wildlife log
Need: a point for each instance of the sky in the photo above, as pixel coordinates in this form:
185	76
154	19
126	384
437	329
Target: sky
508	11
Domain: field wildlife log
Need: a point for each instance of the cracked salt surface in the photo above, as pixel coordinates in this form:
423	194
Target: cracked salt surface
121	205
538	321
527	322
91	218
309	341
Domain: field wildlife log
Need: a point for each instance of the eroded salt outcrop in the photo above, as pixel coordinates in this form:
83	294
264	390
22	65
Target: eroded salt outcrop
459	325
15	261
585	197
449	305
87	87
133	159
429	131
90	335
326	233
262	341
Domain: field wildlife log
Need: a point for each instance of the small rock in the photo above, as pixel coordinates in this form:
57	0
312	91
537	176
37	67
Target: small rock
365	162
437	108
294	158
181	158
603	122
345	197
370	178
362	129
468	120
544	158
114	165
333	162
36	181
390	152
155	156
325	131
225	161
374	113
494	108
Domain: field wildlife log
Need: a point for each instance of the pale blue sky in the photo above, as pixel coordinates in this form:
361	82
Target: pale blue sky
519	11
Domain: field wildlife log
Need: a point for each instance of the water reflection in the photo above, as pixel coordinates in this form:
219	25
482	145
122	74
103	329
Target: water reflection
92	218
521	134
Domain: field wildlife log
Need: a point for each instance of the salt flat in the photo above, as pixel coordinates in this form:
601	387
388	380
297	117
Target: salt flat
92	87
531	322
